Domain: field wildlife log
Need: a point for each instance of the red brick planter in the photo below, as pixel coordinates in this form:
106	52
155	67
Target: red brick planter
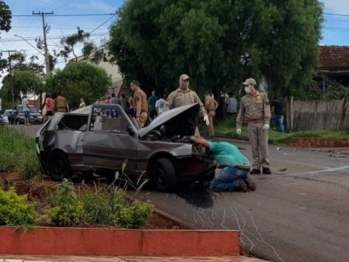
318	142
118	242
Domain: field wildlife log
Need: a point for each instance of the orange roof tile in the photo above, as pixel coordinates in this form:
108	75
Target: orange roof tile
334	57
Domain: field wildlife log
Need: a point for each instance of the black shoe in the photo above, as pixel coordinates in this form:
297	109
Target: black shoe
255	171
266	171
250	184
242	185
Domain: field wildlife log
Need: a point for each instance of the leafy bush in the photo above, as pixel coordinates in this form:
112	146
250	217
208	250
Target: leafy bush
112	208
15	210
18	151
66	209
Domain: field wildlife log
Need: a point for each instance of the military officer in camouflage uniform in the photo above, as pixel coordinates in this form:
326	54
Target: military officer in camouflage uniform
184	96
255	111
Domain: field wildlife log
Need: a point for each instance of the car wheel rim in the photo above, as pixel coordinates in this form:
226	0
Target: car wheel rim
58	167
160	176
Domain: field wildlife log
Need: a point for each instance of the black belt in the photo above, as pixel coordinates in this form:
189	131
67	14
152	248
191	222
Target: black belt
238	166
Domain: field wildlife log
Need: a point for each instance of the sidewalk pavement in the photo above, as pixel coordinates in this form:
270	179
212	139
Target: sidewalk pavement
124	259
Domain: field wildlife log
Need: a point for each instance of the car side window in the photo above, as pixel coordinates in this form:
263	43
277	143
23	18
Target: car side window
108	119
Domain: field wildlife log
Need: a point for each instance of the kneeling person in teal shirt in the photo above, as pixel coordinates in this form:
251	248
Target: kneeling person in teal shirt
234	166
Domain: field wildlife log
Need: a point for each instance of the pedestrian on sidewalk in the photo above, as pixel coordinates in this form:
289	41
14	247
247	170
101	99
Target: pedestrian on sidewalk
234	166
255	111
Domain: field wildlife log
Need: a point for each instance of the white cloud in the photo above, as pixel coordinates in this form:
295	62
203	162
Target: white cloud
336	6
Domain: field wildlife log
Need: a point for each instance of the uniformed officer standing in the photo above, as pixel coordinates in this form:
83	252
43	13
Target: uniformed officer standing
184	96
140	104
61	103
255	111
211	106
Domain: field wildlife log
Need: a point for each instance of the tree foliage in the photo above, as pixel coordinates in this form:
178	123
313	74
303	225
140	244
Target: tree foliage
218	42
23	81
79	80
27	76
5	17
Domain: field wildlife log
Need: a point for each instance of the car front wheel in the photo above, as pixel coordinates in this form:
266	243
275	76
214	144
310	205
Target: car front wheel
165	175
59	166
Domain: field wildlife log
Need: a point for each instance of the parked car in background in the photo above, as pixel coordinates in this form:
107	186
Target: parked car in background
17	115
5	116
99	138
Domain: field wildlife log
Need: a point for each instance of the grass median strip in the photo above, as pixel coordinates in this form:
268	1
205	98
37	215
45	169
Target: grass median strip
17	151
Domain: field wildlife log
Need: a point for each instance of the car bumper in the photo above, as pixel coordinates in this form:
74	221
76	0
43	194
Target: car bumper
194	168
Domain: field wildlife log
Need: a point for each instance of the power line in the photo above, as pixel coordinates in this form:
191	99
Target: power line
332	14
102	24
6	40
62	15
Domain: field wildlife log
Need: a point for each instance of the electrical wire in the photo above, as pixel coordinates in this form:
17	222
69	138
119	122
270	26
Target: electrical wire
65	15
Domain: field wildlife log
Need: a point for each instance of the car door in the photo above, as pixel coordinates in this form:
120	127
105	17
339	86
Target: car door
108	143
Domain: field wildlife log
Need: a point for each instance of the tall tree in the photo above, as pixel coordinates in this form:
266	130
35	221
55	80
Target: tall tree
23	81
5	17
219	42
79	79
69	43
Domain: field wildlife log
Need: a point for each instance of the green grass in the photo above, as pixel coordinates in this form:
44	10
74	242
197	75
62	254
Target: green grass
227	129
17	151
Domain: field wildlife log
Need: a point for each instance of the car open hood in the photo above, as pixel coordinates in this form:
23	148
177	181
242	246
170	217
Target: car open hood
84	110
180	121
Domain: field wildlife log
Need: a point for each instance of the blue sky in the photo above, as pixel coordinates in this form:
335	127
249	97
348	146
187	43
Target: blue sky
335	28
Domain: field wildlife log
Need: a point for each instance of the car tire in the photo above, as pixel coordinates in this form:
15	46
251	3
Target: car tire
59	166
165	177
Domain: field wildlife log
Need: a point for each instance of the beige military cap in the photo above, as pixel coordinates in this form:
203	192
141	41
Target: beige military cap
249	81
183	77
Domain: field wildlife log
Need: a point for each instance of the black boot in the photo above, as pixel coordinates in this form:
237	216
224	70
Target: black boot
255	171
266	171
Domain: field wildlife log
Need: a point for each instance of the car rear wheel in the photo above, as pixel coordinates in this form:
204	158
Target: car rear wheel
59	166
165	175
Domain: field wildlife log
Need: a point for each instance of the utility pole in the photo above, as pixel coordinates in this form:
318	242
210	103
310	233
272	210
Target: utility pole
45	29
10	72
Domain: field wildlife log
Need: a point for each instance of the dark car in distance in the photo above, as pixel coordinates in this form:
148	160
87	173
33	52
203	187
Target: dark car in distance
17	115
89	140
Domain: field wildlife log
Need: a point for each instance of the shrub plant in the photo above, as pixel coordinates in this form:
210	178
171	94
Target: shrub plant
66	209
15	210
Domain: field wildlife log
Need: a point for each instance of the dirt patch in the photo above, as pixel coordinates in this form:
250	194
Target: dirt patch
318	142
38	191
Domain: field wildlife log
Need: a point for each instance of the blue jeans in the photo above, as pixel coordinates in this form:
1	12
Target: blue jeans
226	179
26	114
278	120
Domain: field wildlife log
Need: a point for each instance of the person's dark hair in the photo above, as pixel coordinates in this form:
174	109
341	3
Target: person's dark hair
123	95
48	96
112	95
135	83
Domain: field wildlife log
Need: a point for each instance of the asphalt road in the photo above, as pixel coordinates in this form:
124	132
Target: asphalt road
298	214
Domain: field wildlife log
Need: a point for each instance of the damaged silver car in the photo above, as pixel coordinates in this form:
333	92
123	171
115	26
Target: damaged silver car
99	138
